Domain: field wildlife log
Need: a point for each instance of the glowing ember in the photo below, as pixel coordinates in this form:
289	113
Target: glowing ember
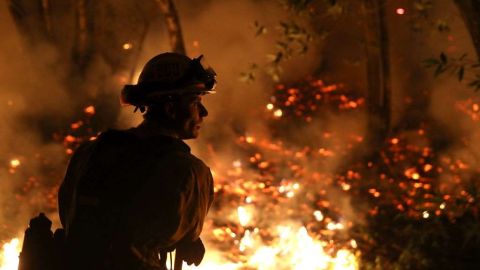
318	215
270	106
244	215
400	11
90	110
353	243
278	113
9	257
250	139
14	163
127	46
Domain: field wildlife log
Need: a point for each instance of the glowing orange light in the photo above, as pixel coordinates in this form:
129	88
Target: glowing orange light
76	125
269	106
400	11
318	215
196	43
346	186
250	139
475	107
127	46
90	110
394	140
14	163
70	139
278	113
427	167
263	165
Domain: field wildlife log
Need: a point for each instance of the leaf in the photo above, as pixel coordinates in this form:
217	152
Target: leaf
443	58
282	45
431	62
439	70
443	26
460	73
259	29
475	84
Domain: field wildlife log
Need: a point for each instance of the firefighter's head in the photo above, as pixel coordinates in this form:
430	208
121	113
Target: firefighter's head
170	90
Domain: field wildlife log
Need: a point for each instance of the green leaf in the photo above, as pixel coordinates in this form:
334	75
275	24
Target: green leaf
431	62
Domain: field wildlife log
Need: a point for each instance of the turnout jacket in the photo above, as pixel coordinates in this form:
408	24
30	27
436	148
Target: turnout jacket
126	198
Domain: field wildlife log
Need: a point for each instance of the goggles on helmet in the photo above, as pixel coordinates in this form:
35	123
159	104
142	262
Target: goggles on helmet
195	78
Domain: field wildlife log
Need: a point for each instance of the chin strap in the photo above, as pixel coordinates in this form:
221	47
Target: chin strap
141	108
178	261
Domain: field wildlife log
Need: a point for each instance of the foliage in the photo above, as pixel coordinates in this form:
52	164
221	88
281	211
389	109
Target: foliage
293	36
421	18
462	67
293	40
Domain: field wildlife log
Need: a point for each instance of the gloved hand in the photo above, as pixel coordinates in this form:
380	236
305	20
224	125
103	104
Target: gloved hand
191	251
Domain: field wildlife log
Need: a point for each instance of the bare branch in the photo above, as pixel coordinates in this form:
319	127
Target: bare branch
167	7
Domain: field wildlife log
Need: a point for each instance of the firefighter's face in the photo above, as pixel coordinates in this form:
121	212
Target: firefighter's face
190	115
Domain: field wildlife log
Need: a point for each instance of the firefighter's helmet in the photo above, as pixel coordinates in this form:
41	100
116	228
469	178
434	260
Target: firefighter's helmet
169	74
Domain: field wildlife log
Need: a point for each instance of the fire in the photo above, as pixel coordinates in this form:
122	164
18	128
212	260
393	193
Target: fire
294	248
127	46
244	215
9	257
278	113
14	163
400	11
90	110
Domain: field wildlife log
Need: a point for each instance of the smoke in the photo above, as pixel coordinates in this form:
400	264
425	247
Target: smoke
27	89
453	107
223	31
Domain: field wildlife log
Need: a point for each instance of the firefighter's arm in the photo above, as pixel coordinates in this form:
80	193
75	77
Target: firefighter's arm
195	203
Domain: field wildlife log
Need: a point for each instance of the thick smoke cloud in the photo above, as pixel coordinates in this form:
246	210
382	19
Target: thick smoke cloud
27	89
223	31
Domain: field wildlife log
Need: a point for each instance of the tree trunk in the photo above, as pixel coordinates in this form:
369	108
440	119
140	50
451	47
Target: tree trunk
470	12
167	7
84	28
33	19
378	74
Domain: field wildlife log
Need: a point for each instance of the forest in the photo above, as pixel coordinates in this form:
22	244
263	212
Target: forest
344	134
